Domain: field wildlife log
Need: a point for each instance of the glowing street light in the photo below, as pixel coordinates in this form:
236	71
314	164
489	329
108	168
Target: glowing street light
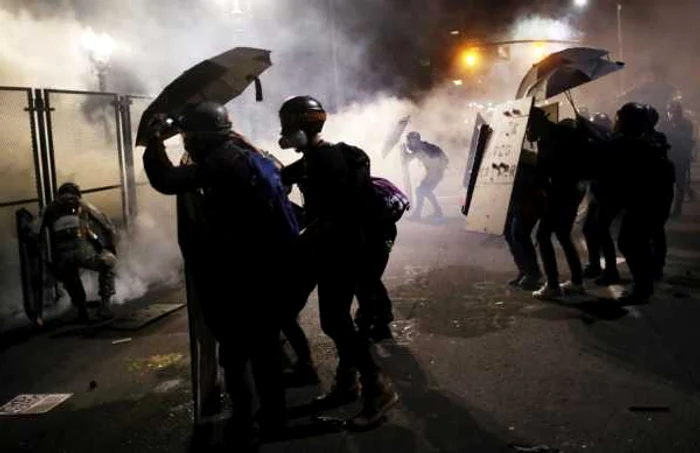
539	51
470	58
581	3
99	48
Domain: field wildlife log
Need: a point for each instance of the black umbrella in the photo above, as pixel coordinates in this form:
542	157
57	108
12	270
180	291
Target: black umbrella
219	79
565	70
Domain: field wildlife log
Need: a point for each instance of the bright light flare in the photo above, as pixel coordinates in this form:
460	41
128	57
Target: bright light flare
458	82
580	3
470	58
100	46
539	51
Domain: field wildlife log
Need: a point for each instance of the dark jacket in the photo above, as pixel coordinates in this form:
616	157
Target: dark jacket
226	218
335	183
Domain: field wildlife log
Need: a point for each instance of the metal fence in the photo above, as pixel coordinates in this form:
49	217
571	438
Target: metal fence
48	137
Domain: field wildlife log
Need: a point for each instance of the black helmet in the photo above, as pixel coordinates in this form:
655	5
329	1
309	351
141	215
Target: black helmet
602	120
69	188
204	117
633	119
302	113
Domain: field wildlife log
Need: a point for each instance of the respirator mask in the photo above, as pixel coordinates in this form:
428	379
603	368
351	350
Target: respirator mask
296	140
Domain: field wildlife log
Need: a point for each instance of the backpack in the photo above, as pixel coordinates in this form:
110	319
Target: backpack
393	201
272	189
383	199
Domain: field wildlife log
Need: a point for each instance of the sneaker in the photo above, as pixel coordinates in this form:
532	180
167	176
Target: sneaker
592	271
381	333
608	278
378	398
572	288
344	391
547	292
634	298
530	283
516	281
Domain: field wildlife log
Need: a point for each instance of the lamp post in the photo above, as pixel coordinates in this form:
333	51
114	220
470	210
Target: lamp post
99	48
620	44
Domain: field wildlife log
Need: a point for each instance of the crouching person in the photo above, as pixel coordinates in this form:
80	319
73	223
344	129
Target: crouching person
76	246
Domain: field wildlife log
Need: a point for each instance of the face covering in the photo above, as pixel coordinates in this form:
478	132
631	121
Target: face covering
296	140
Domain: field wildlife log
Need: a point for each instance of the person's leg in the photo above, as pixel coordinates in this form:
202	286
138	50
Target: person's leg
590	233
509	235
658	239
523	225
70	277
242	429
549	260
103	263
609	210
635	244
567	213
375	307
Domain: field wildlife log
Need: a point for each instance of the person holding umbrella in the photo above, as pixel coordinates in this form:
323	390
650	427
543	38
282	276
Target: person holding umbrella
238	227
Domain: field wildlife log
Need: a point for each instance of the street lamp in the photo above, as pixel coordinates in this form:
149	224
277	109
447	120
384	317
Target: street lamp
99	48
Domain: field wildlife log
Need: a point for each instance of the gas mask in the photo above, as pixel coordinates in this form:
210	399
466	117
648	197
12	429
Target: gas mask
196	145
296	140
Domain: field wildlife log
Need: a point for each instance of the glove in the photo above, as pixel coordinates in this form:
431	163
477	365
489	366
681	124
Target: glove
158	126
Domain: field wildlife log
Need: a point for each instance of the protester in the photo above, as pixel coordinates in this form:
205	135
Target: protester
679	131
236	225
338	198
435	162
559	146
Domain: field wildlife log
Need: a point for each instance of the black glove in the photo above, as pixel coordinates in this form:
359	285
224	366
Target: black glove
159	126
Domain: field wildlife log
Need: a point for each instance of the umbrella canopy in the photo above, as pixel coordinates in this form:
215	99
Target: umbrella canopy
565	70
219	79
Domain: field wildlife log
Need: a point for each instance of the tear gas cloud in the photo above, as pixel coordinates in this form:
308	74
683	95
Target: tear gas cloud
335	60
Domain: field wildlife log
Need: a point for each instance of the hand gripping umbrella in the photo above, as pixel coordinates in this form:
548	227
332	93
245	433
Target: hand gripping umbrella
219	79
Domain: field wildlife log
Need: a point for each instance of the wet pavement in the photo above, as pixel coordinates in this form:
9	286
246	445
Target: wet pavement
480	367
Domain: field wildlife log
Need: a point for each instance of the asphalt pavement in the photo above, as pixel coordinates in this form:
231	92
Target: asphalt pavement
480	367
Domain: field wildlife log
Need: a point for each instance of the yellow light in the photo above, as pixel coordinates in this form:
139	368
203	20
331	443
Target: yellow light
470	58
539	51
457	82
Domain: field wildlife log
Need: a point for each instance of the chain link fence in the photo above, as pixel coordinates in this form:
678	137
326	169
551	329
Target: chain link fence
18	189
48	137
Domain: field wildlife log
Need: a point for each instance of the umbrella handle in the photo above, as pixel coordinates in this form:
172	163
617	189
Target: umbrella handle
258	90
571	101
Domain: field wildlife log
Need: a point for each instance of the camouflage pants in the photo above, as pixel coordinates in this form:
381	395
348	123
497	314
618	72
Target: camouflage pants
78	255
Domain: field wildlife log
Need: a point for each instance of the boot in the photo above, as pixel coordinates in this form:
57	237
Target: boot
104	311
531	282
516	281
301	375
345	390
608	278
592	271
83	316
378	397
381	332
